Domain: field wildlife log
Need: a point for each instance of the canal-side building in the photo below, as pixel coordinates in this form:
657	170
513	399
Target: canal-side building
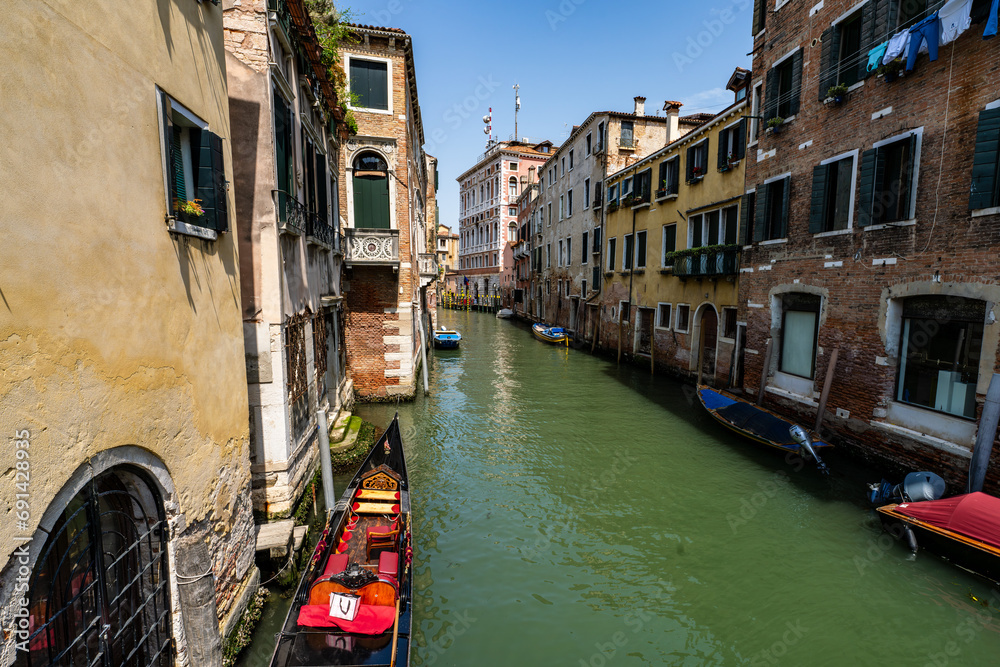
571	210
873	226
389	257
488	193
671	253
285	121
521	251
128	534
447	249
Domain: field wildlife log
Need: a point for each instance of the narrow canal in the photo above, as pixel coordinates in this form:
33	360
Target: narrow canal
572	512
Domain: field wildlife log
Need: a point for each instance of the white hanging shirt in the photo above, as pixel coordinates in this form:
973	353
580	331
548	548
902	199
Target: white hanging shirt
956	17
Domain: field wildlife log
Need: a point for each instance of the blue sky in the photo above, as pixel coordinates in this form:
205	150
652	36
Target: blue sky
570	58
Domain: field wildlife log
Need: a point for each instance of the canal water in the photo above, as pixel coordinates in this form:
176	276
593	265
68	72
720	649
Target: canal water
568	511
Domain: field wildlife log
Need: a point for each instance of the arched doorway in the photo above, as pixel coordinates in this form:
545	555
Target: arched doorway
99	593
371	192
707	338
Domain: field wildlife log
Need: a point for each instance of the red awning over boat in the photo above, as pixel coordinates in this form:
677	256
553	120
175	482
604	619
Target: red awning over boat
975	515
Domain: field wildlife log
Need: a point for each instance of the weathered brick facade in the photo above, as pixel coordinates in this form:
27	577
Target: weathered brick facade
864	274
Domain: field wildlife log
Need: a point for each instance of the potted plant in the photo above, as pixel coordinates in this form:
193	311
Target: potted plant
628	199
612	206
697	173
732	160
836	94
189	209
662	190
774	124
891	70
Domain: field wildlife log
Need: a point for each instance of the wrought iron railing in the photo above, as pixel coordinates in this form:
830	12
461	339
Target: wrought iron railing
627	144
372	246
319	230
280	9
708	263
291	213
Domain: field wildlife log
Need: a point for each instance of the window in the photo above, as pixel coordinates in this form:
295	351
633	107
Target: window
586	249
663	315
729	323
588	143
514	165
512	210
755	114
568	285
910	11
732	144
371	192
562	167
369	82
771	210
697	161
194	170
596	236
626	187
613	193
549	223
586	193
548	255
512	233
562	254
562	208
600	136
696	231
597	193
512	187
571	160
888	173
783	85
833	187
612	243
569	203
985	193
799	328
583	289
748	207
627	135
641	186
667	182
942	341
628	251
841	60
683	315
669	243
759	15
640	250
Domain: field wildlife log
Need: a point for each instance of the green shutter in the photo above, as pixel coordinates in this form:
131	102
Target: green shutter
984	161
867	39
690	163
168	149
371	202
360	85
204	179
740	150
911	164
771	95
745	218
675	176
829	55
885	20
866	188
378	82
179	191
783	233
661	180
760	213
817	206
321	184
796	87
759	15
722	159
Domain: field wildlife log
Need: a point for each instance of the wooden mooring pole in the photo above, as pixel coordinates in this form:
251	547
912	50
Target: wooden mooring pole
830	369
985	436
763	373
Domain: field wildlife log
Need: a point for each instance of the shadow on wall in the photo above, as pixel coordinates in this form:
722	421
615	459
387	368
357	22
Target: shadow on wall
244	121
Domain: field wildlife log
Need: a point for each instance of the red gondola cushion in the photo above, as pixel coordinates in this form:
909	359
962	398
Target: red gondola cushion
371	619
356	506
395	509
378	529
336	564
388	564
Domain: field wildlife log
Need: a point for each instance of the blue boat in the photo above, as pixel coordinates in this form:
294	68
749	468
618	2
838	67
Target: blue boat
446	339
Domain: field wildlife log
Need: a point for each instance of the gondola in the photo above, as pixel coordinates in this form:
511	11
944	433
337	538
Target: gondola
760	425
446	339
554	335
362	562
963	529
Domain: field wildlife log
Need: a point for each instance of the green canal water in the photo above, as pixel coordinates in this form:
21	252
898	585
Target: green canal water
568	511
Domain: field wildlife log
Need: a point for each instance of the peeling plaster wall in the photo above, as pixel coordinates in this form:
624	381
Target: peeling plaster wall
114	331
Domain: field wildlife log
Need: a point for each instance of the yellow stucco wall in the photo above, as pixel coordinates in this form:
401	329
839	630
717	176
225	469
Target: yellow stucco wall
114	331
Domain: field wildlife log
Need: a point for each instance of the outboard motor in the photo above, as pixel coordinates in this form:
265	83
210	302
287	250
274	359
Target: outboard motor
800	436
916	487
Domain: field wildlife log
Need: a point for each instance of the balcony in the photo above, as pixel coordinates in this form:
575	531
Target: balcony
279	15
428	268
319	231
627	144
291	214
707	262
372	247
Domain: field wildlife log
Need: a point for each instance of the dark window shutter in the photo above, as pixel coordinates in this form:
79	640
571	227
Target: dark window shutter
867	39
360	84
168	150
796	89
669	238
740	150
908	185
828	60
661	179
722	161
884	21
760	213
690	163
321	183
378	86
675	176
984	162
866	188
784	207
745	218
771	95
817	206
211	183
759	15
179	190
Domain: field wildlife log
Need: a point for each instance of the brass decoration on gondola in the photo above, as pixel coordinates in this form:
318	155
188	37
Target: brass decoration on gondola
382	479
354	577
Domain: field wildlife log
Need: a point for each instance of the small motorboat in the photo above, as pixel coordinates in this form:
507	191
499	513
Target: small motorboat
963	529
505	313
353	603
554	335
446	339
761	425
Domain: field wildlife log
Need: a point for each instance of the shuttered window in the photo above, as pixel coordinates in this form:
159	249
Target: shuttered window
984	193
842	59
371	192
888	174
732	145
697	161
669	243
370	83
830	205
759	15
771	210
783	87
747	210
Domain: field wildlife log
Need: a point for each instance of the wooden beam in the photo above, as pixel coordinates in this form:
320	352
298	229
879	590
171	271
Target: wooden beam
652	344
985	436
763	373
830	369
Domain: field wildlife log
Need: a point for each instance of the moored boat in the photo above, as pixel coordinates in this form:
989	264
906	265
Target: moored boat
446	339
761	425
505	313
352	605
554	335
963	529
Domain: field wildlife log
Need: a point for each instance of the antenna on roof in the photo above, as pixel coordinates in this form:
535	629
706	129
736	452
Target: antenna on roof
517	107
488	130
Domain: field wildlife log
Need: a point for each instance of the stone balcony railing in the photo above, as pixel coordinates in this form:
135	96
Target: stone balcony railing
372	247
707	263
428	265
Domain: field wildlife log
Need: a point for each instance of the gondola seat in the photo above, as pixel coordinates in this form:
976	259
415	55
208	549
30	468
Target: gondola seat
336	564
388	565
381	537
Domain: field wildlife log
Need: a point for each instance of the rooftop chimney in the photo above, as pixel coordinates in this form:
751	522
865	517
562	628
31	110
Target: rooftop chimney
673	120
640	106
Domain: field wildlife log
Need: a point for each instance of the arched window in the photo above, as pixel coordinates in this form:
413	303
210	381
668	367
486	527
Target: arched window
496	231
512	186
371	192
99	594
512	233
